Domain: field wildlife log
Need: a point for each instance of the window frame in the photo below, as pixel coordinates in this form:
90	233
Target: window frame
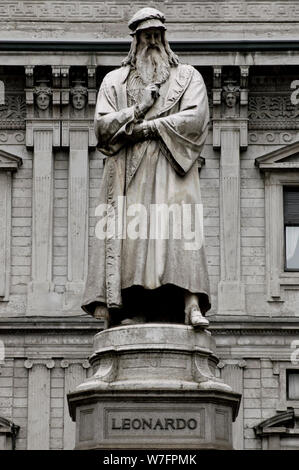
288	371
280	368
277	277
286	269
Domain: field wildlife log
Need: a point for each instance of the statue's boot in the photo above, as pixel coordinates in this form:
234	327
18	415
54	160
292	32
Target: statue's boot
101	312
193	315
197	319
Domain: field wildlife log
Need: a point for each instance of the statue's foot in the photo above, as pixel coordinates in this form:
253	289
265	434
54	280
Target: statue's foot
134	320
101	312
197	319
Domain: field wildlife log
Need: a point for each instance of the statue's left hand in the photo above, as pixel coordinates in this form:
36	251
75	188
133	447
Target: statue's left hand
142	131
138	132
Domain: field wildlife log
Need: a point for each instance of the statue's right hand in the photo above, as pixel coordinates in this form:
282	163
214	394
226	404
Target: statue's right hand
150	94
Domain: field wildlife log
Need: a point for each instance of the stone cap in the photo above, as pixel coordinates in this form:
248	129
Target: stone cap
147	18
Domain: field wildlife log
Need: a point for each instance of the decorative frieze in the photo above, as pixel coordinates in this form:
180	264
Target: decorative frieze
12	103
277	137
13	112
272	111
177	11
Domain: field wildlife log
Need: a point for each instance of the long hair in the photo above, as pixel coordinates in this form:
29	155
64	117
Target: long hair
131	57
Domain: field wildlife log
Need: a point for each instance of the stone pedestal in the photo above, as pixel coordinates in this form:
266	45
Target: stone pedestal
154	387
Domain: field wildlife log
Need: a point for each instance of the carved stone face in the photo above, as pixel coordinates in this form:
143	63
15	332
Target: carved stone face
231	100
79	101
43	101
150	37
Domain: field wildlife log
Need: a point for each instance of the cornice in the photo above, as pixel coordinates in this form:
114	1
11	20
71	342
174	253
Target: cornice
78	325
84	325
254	326
122	45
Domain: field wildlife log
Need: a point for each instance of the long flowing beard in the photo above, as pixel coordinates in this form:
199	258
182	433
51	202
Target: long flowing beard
152	65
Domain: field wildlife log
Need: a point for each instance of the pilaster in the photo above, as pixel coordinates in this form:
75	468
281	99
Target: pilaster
42	135
232	374
78	136
230	137
75	373
38	404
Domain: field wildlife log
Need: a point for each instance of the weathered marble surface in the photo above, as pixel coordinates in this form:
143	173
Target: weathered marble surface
153	386
105	19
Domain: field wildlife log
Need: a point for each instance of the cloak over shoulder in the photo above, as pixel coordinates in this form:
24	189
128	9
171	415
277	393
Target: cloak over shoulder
148	172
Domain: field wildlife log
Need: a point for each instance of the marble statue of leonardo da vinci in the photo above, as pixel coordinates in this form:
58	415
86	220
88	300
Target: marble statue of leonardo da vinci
151	123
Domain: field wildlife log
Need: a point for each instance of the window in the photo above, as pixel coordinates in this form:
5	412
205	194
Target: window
291	227
292	383
281	170
288	380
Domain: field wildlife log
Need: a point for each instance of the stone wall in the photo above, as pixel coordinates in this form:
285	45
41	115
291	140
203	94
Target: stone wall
99	19
254	308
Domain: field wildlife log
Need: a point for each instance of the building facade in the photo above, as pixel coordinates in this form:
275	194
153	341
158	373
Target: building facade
53	56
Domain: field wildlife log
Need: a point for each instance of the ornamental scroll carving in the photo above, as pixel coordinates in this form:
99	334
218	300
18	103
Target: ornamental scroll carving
13	112
272	111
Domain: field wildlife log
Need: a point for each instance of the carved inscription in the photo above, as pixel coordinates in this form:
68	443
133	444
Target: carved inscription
154	422
163	424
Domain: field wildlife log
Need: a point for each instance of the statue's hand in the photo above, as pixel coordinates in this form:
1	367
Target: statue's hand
137	132
143	131
150	94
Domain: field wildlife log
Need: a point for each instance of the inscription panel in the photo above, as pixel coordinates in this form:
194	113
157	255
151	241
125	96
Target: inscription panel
142	422
86	424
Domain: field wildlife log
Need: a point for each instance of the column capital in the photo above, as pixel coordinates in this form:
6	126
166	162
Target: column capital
48	363
239	363
65	363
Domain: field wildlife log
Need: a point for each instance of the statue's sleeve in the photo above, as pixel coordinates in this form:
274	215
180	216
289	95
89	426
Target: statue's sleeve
183	133
110	122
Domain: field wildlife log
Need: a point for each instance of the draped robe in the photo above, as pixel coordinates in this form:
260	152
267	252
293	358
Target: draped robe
155	171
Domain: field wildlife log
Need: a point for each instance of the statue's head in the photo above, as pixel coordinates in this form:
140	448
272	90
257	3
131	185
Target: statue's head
43	96
150	52
79	97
